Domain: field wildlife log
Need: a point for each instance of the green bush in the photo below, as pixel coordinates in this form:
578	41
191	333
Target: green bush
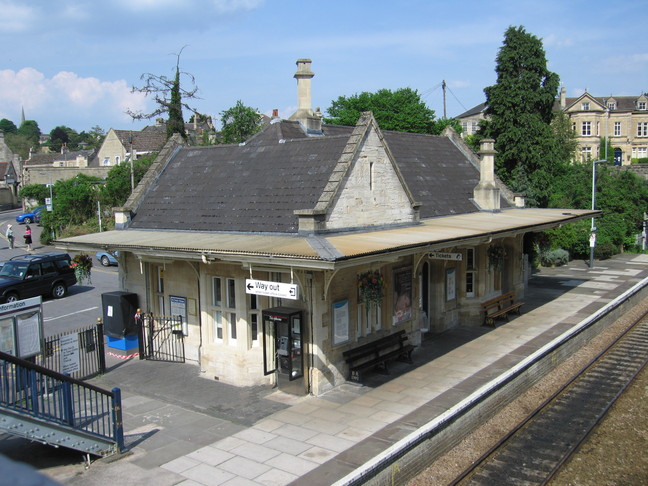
605	251
554	258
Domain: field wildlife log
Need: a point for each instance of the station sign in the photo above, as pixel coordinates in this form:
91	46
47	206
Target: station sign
438	255
272	289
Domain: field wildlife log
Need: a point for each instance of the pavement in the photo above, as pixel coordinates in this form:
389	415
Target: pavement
184	429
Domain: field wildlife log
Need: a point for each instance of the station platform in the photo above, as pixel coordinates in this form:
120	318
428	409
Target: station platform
182	429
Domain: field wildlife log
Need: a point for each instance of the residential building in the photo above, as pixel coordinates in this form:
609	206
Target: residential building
119	144
308	240
623	120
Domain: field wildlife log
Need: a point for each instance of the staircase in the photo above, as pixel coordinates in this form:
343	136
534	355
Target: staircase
45	406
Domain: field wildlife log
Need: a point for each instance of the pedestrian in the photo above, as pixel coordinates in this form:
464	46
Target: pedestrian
10	236
28	238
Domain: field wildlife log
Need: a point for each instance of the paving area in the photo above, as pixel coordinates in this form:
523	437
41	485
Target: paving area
184	429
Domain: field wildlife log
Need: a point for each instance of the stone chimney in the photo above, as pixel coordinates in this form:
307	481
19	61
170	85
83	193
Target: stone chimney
311	121
486	193
563	98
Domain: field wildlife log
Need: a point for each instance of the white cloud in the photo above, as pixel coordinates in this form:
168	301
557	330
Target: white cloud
15	17
66	93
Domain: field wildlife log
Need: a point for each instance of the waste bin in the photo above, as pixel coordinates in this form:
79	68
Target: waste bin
119	310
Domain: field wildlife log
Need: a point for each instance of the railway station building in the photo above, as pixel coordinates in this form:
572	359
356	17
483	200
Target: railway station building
309	240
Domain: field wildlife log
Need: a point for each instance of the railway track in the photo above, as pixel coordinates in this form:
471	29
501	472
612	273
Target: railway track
533	452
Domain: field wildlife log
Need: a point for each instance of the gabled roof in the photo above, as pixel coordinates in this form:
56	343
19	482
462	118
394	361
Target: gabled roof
258	186
149	139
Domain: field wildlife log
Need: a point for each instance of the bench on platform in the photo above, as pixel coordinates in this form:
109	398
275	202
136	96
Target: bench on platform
377	354
500	307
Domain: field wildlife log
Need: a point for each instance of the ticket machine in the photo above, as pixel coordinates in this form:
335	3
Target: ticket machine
282	348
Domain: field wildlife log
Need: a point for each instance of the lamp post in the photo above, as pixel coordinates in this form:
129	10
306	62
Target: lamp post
593	229
50	206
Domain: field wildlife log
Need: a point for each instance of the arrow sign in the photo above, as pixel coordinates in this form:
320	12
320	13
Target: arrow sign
272	289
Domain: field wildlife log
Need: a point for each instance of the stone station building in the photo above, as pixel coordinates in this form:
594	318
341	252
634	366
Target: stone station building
309	240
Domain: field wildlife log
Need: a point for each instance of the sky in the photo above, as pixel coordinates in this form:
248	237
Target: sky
75	62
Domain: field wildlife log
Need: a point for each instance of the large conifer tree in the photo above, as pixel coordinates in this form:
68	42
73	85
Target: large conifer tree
519	110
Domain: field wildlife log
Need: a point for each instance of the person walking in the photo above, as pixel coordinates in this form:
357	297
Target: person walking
28	238
10	236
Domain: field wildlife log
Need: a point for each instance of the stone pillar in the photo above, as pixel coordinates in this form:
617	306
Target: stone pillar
486	193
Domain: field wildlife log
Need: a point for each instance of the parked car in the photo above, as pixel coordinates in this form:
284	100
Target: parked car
107	258
31	275
30	216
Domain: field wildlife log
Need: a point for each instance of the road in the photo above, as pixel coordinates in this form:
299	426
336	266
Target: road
82	306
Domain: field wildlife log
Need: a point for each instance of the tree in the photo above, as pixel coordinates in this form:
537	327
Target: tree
443	123
169	96
239	123
118	183
519	112
621	196
59	136
7	126
401	110
19	144
29	128
566	141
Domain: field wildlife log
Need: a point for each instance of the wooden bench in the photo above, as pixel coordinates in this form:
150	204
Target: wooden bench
377	354
500	307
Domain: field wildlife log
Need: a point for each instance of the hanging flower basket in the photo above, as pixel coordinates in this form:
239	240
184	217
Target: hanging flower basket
496	256
370	288
82	264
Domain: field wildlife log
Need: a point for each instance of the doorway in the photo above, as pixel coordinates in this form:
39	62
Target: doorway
283	349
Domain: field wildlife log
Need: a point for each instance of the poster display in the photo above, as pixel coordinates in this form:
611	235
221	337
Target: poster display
28	330
450	284
7	338
402	295
340	322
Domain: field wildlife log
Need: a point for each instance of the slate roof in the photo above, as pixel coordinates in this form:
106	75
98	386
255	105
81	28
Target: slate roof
256	187
149	139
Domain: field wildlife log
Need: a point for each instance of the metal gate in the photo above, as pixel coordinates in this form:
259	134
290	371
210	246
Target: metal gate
161	338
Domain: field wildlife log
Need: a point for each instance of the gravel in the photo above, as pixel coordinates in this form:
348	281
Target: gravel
614	455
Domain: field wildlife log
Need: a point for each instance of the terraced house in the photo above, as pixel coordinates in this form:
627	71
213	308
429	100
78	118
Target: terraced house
285	253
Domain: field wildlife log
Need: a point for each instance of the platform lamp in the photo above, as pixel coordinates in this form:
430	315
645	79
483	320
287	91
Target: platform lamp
593	229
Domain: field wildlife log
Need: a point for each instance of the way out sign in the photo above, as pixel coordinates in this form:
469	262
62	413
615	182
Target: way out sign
272	289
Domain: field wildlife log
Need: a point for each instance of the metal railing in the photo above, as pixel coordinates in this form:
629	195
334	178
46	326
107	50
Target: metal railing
29	389
92	353
161	338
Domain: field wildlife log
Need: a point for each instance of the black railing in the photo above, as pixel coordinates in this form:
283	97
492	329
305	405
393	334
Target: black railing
92	352
161	338
30	389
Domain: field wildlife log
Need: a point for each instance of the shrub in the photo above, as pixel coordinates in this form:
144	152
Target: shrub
605	251
554	258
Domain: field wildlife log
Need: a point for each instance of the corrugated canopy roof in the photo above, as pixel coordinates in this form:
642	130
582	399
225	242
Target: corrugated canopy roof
327	250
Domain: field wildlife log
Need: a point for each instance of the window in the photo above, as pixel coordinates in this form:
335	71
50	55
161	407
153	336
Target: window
642	129
641	105
611	105
585	106
218	326
106	161
617	129
586	153
369	318
639	152
586	128
117	159
224	301
470	272
254	317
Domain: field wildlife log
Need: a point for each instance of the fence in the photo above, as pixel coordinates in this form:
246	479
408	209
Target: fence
30	389
92	357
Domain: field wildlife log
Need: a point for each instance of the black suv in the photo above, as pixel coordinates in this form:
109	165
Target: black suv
31	275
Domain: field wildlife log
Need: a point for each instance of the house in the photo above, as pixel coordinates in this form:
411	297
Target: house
281	253
623	120
118	144
9	170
